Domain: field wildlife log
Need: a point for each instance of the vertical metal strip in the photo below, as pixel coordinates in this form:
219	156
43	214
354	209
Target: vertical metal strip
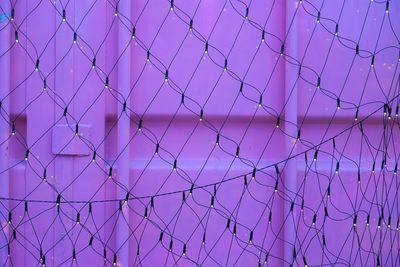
5	110
290	172
124	75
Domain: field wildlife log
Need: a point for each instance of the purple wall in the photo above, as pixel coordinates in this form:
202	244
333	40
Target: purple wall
278	99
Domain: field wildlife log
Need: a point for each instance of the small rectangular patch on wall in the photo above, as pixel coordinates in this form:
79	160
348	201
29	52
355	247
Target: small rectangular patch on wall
66	142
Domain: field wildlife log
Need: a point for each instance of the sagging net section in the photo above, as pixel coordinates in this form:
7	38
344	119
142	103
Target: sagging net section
199	133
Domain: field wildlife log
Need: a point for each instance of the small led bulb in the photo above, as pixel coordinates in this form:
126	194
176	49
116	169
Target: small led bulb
106	83
175	165
134	32
166	76
140	125
278	120
282	49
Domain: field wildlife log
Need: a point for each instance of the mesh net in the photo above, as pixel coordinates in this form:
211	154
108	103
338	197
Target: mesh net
199	133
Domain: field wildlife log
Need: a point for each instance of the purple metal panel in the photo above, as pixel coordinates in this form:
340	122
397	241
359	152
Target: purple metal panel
55	129
64	143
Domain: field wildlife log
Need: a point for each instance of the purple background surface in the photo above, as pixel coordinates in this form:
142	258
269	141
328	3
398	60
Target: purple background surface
72	82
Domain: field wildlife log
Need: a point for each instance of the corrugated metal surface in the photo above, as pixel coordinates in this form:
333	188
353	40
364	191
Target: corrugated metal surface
156	108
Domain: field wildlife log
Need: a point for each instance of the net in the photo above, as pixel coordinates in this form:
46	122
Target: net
199	133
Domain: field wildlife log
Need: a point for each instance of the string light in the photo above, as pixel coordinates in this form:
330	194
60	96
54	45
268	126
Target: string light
26	154
116	11
37	65
166	76
140	125
110	172
184	250
175	165
106	84
16	37
133	32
